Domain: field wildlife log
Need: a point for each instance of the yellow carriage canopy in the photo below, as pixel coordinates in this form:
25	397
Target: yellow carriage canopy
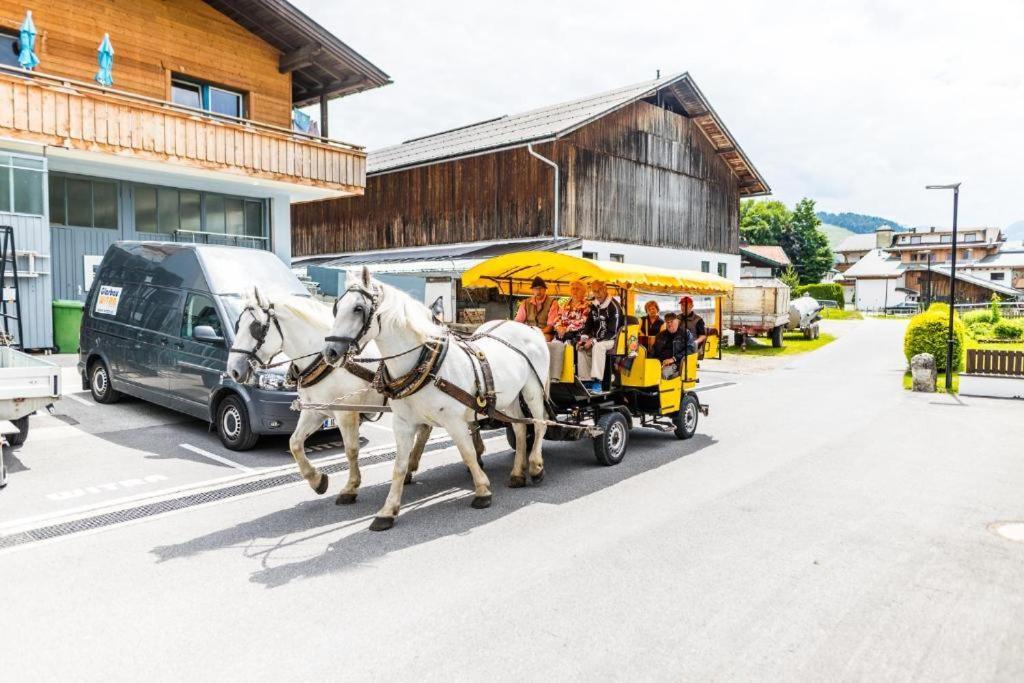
513	273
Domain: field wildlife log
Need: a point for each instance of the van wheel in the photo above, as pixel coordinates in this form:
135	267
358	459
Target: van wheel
687	417
610	447
233	425
22	424
99	384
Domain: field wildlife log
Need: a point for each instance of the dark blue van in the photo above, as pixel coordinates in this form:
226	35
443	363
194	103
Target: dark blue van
158	323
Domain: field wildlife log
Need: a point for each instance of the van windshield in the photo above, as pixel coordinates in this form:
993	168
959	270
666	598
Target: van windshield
237	271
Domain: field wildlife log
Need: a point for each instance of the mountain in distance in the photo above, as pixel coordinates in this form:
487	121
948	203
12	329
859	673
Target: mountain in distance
856	222
835	234
1014	231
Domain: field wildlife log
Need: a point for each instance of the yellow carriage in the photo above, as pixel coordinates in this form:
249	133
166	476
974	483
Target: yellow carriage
633	389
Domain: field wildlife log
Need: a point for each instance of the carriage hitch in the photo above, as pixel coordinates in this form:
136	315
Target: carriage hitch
703	408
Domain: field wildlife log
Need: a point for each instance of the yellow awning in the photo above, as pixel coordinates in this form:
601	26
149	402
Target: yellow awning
513	273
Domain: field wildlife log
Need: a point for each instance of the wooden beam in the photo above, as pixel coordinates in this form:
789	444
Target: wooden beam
302	57
323	116
725	150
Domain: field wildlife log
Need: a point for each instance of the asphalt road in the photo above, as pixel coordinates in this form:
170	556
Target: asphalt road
824	524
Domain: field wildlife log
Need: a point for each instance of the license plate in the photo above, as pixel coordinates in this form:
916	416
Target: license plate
330	423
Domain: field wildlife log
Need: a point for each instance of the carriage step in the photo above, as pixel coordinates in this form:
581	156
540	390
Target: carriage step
661	426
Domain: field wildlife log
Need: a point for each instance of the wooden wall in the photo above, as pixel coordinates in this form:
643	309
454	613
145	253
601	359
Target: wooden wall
641	175
152	39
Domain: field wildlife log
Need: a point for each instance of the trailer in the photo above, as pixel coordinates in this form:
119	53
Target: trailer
27	383
758	307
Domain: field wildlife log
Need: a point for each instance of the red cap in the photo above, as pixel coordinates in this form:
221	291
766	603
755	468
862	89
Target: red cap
684	299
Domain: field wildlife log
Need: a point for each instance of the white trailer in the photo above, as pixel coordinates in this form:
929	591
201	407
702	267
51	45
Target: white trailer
27	383
757	306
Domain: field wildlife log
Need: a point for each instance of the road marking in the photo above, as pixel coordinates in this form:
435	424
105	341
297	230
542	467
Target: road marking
79	399
718	385
213	456
109	486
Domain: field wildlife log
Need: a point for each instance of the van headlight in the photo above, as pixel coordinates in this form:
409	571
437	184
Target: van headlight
270	381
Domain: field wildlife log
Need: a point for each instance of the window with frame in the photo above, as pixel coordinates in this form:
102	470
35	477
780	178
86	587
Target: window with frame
617	258
212	98
82	202
157	309
199	310
705	266
723	269
997	276
592	255
9	49
21	184
172	211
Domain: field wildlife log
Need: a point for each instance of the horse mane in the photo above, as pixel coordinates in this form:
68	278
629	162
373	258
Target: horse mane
306	309
397	308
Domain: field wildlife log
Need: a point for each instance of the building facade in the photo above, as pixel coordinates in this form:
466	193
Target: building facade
645	174
194	141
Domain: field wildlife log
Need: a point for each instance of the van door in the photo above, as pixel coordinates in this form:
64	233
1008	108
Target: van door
198	365
150	361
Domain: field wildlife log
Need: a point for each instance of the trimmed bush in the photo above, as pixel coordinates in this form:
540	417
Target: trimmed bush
822	290
973	317
1007	329
926	333
939	308
981	330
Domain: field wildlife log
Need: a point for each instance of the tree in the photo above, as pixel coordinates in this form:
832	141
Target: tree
797	232
790	278
763	222
806	245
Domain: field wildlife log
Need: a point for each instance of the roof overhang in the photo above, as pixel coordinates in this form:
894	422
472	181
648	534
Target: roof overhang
320	63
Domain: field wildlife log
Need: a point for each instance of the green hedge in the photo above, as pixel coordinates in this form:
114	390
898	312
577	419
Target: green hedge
1008	329
926	333
829	291
972	317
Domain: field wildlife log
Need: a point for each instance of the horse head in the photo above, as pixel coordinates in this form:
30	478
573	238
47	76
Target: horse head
354	314
258	338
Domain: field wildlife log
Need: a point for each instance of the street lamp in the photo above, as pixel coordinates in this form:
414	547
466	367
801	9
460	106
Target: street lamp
928	297
952	283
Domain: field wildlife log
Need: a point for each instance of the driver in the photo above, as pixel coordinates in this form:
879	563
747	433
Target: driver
540	310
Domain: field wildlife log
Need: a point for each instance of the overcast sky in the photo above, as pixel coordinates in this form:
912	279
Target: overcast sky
857	106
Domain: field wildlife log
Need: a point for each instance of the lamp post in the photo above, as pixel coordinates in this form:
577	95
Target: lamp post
928	298
952	283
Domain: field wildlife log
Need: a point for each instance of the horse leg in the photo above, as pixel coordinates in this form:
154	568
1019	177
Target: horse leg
405	437
309	422
533	394
348	425
419	442
460	434
478	443
517	479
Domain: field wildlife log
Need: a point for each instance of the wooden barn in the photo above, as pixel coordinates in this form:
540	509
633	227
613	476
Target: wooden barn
646	173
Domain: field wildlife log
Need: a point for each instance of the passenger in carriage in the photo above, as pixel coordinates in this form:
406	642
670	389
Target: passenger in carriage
650	324
599	335
572	317
540	310
693	323
672	346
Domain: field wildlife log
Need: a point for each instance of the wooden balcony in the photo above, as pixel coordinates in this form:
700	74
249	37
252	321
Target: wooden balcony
50	110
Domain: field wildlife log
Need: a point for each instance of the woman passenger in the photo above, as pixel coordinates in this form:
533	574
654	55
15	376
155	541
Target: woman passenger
571	319
650	324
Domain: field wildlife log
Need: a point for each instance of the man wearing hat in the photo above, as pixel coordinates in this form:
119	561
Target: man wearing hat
540	310
693	323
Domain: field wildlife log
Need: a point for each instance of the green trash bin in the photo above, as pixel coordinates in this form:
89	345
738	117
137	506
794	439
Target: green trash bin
67	323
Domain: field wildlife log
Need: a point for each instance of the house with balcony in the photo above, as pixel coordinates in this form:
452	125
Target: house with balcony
197	139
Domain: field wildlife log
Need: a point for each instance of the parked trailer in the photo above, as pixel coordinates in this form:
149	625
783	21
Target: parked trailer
804	315
758	306
27	383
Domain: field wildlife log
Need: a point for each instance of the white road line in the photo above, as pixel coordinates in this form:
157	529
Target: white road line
213	456
718	385
79	399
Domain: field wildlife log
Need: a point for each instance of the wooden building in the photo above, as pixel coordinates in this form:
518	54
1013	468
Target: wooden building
194	141
647	173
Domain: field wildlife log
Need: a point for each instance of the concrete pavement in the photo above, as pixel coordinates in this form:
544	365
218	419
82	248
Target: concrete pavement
824	524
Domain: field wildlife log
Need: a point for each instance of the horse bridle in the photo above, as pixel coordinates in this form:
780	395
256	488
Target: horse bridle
368	317
257	331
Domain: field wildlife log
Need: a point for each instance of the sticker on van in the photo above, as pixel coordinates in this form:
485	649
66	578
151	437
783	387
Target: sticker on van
106	302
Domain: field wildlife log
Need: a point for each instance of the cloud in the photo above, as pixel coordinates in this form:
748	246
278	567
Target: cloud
857	105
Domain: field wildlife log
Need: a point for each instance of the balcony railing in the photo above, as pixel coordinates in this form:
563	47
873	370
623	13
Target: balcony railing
57	111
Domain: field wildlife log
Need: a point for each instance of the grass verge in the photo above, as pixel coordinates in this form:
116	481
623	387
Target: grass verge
792	343
940	382
839	314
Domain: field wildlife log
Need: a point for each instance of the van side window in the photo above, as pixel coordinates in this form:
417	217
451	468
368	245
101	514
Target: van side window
157	309
200	310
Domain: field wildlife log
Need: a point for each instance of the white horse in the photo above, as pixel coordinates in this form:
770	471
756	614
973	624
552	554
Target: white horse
296	326
518	357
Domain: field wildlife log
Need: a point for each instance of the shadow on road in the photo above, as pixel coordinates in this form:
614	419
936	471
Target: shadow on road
571	474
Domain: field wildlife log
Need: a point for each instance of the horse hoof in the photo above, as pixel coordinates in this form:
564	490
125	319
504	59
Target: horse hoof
321	488
481	502
537	478
345	499
516	482
382	523
408	478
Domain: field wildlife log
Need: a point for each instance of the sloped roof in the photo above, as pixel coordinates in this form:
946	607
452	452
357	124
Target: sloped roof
875	263
857	242
985	283
555	121
319	62
1007	257
772	254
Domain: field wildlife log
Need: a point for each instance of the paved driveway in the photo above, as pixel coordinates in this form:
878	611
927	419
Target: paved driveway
824	524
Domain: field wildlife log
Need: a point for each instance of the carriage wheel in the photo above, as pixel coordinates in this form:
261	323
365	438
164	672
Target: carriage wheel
610	446
686	418
510	434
